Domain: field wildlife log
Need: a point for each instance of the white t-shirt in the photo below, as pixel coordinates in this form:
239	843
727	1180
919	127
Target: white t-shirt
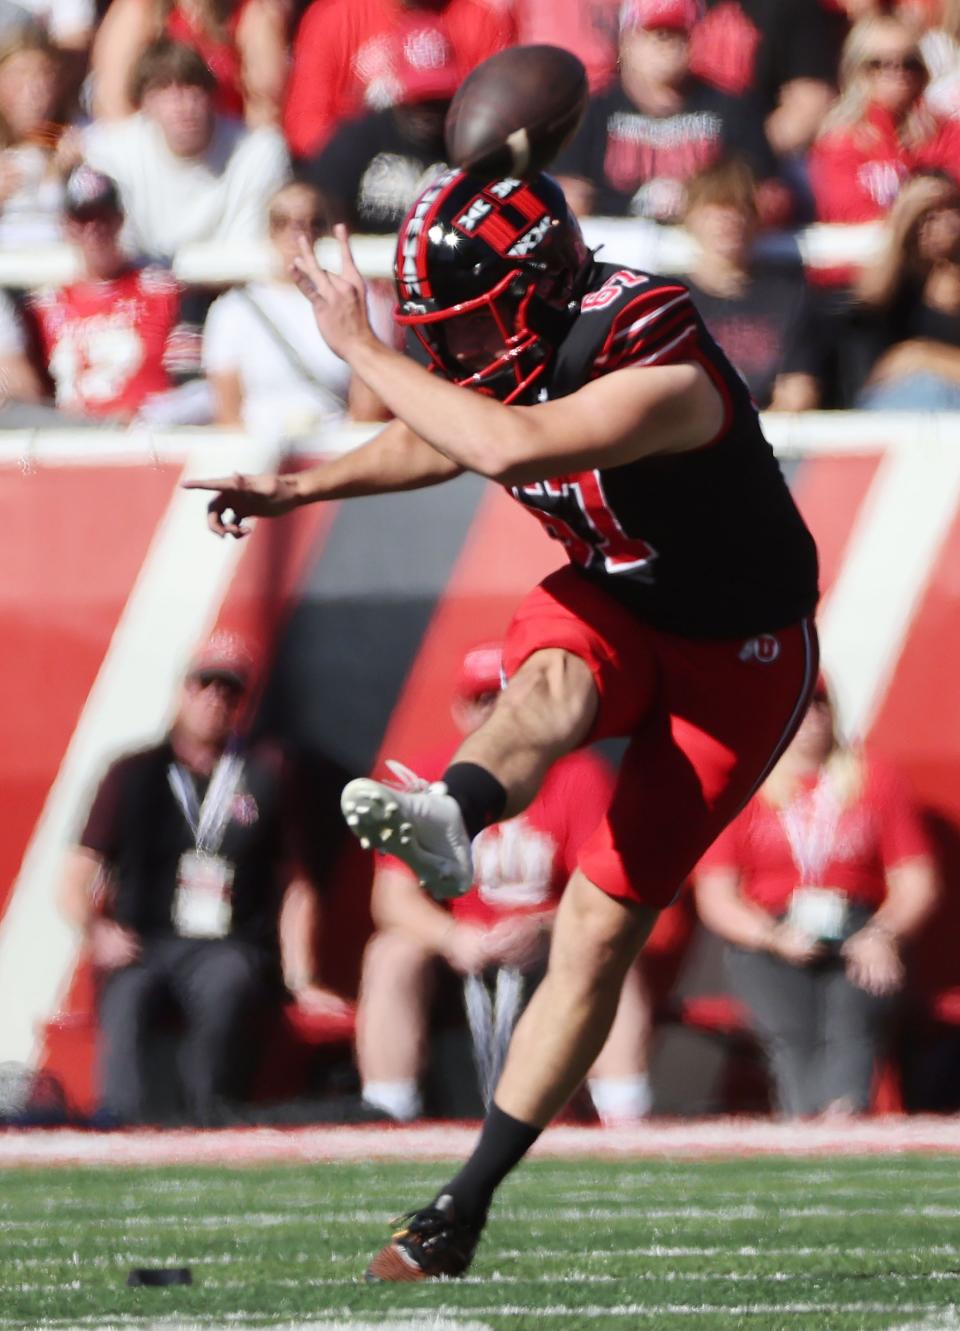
277	399
30	216
12	342
171	201
63	19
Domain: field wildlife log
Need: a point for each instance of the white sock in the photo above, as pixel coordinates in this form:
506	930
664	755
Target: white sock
620	1100
400	1099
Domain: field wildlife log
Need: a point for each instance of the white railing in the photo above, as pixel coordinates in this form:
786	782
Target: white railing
815	433
639	243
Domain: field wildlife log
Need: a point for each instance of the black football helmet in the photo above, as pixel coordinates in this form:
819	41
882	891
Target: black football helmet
489	276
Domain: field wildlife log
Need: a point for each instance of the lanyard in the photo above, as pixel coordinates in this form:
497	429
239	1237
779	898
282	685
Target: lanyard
810	825
207	821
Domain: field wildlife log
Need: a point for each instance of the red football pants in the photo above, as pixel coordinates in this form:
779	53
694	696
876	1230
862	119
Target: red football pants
707	719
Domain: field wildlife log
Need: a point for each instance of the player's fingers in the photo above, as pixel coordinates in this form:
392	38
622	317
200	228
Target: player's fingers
306	262
348	265
235	482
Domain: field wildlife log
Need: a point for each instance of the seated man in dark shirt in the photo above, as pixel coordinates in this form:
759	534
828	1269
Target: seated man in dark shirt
188	861
374	166
762	314
649	133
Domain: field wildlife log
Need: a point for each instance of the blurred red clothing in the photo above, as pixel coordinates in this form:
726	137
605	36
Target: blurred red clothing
856	173
220	53
522	865
343	59
588	28
108	346
879	830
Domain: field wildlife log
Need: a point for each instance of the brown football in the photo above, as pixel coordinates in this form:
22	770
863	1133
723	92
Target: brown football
514	112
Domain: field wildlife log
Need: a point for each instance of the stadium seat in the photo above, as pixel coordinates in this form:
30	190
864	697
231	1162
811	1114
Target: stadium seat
70	1039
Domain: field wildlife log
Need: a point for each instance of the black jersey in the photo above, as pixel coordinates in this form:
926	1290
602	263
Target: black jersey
707	543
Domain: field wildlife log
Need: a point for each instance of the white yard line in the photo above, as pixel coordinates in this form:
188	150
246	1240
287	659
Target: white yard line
824	1252
525	1215
421	1319
668	1139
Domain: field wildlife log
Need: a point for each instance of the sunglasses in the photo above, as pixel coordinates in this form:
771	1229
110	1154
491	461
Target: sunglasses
908	64
284	222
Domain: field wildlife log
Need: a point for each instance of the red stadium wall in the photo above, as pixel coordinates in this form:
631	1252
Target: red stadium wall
363	611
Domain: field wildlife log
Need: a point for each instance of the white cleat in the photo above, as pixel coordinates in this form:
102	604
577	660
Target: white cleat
421	825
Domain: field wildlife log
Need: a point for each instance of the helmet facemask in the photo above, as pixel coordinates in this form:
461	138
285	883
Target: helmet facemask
486	343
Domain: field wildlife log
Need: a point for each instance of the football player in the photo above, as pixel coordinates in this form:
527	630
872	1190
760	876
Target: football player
682	620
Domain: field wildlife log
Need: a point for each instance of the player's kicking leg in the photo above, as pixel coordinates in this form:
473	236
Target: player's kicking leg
595	940
546	711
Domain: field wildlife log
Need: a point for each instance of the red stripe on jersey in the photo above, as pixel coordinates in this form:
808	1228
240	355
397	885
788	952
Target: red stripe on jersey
648	349
641	318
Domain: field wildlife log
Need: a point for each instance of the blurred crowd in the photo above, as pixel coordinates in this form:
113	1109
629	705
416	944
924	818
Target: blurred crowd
131	129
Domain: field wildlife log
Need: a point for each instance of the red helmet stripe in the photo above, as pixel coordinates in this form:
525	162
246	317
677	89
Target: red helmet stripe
527	203
499	233
411	264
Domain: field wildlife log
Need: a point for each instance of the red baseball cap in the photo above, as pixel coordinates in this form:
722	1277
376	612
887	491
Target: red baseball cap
424	63
223	656
679	15
481	670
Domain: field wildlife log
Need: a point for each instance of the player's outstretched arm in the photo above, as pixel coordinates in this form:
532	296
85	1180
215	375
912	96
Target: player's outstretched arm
393	460
625	415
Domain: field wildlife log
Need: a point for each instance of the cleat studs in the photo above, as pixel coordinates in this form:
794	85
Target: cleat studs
386	833
365	842
352	820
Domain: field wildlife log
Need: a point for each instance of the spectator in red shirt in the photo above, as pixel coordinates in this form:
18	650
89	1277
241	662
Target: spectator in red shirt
244	43
114	341
502	924
816	887
588	28
880	130
375	165
344	52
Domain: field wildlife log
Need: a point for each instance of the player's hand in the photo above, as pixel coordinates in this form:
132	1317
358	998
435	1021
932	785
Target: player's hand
241	497
111	946
339	300
795	946
873	962
321	1002
465	949
517	940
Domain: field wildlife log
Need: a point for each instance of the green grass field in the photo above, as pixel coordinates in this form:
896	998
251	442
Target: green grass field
768	1243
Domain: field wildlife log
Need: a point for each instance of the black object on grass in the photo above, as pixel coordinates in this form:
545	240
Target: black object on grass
160	1275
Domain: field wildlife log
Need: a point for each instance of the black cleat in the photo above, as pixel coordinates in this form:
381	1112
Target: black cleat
429	1244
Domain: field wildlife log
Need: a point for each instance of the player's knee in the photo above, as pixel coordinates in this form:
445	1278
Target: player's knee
553	697
597	937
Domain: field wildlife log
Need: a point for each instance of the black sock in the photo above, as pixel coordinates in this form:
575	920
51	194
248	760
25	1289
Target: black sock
480	796
503	1143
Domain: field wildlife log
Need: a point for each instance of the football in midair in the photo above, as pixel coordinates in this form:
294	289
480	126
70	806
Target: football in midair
516	110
